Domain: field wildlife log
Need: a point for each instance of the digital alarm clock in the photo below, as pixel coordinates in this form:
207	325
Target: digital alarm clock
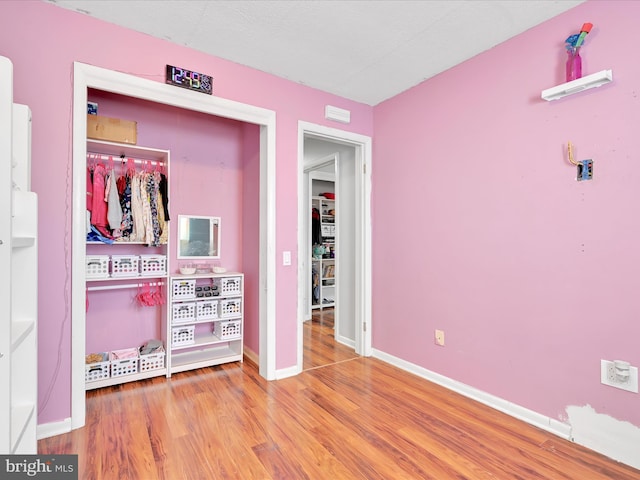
181	77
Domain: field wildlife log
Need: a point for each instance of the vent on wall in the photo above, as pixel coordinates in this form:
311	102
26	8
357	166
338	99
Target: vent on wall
337	114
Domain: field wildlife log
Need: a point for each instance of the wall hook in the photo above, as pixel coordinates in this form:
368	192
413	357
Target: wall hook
570	150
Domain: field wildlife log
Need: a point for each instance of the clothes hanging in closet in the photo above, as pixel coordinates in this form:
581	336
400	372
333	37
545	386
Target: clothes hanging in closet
131	208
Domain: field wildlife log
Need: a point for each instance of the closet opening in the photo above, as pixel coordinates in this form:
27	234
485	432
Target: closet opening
255	129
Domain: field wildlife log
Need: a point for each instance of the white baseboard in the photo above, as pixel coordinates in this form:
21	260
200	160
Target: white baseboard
251	355
529	416
46	430
287	372
346	341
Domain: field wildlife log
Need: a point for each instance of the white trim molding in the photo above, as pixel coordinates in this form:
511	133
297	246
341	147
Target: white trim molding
46	430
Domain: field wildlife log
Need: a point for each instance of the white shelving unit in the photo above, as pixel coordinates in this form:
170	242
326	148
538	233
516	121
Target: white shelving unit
205	322
19	264
140	154
324	267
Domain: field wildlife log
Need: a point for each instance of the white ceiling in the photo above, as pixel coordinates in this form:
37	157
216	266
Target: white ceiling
367	51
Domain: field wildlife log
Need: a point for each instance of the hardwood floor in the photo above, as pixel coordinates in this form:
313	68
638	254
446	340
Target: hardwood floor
358	418
320	348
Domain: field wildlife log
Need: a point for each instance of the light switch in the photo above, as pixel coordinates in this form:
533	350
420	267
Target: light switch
286	258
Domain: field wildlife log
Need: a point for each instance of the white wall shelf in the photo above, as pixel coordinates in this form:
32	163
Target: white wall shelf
579	85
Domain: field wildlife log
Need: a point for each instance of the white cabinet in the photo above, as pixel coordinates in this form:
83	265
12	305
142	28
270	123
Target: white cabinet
18	292
132	267
323	264
205	320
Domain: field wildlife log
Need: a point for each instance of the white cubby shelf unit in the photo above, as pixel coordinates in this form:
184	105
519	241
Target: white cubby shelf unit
205	320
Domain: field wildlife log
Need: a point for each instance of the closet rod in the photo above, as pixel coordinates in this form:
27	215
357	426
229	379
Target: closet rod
116	158
124	285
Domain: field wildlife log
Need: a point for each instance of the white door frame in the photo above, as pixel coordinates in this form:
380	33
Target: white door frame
88	76
362	144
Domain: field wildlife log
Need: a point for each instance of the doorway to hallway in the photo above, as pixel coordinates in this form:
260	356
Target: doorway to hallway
352	312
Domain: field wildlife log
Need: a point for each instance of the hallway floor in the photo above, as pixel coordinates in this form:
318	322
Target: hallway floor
320	347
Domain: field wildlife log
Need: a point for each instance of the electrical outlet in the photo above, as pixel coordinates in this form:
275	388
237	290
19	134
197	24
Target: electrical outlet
608	377
439	338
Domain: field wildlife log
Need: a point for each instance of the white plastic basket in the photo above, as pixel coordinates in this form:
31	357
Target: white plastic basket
151	265
228	285
183	312
328	230
124	265
228	329
153	361
183	335
97	266
97	371
230	307
206	309
183	289
123	366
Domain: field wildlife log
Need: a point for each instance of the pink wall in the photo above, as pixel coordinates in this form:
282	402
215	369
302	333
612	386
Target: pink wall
532	275
206	178
43	41
251	236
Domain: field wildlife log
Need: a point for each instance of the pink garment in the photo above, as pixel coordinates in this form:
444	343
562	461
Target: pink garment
89	191
99	206
123	354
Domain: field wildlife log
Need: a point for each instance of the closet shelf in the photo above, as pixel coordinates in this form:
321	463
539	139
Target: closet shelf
22	242
108	382
21	415
189	360
21	328
99	147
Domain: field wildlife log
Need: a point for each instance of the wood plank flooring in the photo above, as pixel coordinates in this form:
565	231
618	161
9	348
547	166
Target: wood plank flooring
358	418
320	347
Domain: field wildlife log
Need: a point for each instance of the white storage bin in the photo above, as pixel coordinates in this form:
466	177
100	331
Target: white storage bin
228	285
183	335
124	265
153	361
97	266
183	289
206	309
228	329
123	366
153	265
231	307
328	230
98	370
183	312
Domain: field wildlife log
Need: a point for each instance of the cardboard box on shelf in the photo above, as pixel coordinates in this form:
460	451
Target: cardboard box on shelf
112	129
